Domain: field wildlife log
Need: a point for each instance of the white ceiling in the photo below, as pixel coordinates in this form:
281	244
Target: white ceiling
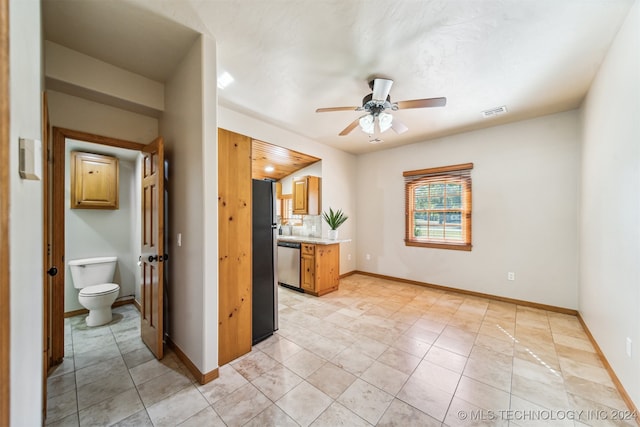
289	57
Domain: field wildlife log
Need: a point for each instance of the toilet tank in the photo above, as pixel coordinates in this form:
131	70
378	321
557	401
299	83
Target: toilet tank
92	271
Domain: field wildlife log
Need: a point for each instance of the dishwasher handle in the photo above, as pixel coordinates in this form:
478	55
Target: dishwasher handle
294	245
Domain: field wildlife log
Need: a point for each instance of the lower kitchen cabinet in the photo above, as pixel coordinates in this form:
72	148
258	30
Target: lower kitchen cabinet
320	268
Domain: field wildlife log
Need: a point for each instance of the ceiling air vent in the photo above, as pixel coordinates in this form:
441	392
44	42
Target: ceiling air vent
494	111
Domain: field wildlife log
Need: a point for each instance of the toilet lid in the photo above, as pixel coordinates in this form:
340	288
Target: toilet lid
96	290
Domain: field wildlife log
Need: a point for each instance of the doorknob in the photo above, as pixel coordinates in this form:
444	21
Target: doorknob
52	271
153	258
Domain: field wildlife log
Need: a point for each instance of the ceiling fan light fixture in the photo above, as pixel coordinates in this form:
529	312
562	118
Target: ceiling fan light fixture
367	124
384	121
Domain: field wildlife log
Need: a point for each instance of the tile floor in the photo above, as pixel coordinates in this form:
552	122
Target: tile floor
376	352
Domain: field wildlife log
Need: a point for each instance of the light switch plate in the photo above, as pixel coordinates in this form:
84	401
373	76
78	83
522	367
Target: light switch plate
30	159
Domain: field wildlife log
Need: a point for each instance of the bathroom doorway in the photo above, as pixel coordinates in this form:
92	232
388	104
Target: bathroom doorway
151	256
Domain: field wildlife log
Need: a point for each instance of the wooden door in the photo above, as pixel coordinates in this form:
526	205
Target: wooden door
153	256
300	197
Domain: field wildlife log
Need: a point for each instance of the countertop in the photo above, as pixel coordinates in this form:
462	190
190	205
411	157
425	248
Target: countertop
312	240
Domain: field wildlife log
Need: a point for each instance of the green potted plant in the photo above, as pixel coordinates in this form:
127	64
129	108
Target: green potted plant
334	219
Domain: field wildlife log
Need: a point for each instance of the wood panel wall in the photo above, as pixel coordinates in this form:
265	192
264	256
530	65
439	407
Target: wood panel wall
234	246
4	214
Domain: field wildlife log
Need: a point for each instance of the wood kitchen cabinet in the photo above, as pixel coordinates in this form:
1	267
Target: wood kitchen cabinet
306	196
319	268
94	181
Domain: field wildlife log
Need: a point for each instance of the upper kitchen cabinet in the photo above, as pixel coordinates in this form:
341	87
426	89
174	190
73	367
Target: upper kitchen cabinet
94	181
306	195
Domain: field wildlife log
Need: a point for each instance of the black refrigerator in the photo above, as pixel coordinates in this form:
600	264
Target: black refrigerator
264	253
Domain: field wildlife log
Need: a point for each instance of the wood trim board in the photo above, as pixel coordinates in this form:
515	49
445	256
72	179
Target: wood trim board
202	378
553	308
616	381
5	314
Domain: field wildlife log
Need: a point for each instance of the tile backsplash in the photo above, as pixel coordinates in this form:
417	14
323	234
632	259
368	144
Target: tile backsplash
311	227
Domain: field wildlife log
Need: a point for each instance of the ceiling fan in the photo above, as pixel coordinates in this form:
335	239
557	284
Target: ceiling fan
376	104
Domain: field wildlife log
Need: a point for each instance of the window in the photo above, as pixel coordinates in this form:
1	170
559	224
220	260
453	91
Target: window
438	207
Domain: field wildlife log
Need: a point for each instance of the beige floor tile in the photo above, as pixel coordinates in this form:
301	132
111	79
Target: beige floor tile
456	340
149	370
411	345
68	421
526	413
95	356
304	363
161	387
595	413
385	377
496	344
112	410
338	415
463	413
595	392
205	418
353	361
101	371
546	394
482	395
370	347
304	403
281	349
366	400
447	359
254	364
61	384
490	372
139	419
97	391
137	357
272	416
228	381
401	339
61	406
277	382
177	408
424	397
572	368
400	414
398	359
331	379
436	376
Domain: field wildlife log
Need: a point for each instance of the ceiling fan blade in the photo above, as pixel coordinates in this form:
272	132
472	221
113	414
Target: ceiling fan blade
422	103
398	126
351	126
381	88
327	110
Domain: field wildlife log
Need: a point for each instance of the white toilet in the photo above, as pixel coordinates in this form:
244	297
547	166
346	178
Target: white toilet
93	277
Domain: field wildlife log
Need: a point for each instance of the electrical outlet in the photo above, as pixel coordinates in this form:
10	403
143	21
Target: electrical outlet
511	275
348	257
629	346
368	257
179	239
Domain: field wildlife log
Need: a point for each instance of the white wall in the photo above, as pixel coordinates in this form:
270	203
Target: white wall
338	172
610	206
524	183
189	128
72	70
104	232
25	216
71	112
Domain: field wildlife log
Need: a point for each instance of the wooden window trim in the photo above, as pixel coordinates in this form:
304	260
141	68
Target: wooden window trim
430	174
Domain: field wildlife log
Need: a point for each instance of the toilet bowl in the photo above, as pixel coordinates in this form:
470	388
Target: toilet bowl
93	277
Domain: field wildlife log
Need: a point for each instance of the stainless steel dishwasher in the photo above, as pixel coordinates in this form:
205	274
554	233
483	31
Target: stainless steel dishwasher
289	265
